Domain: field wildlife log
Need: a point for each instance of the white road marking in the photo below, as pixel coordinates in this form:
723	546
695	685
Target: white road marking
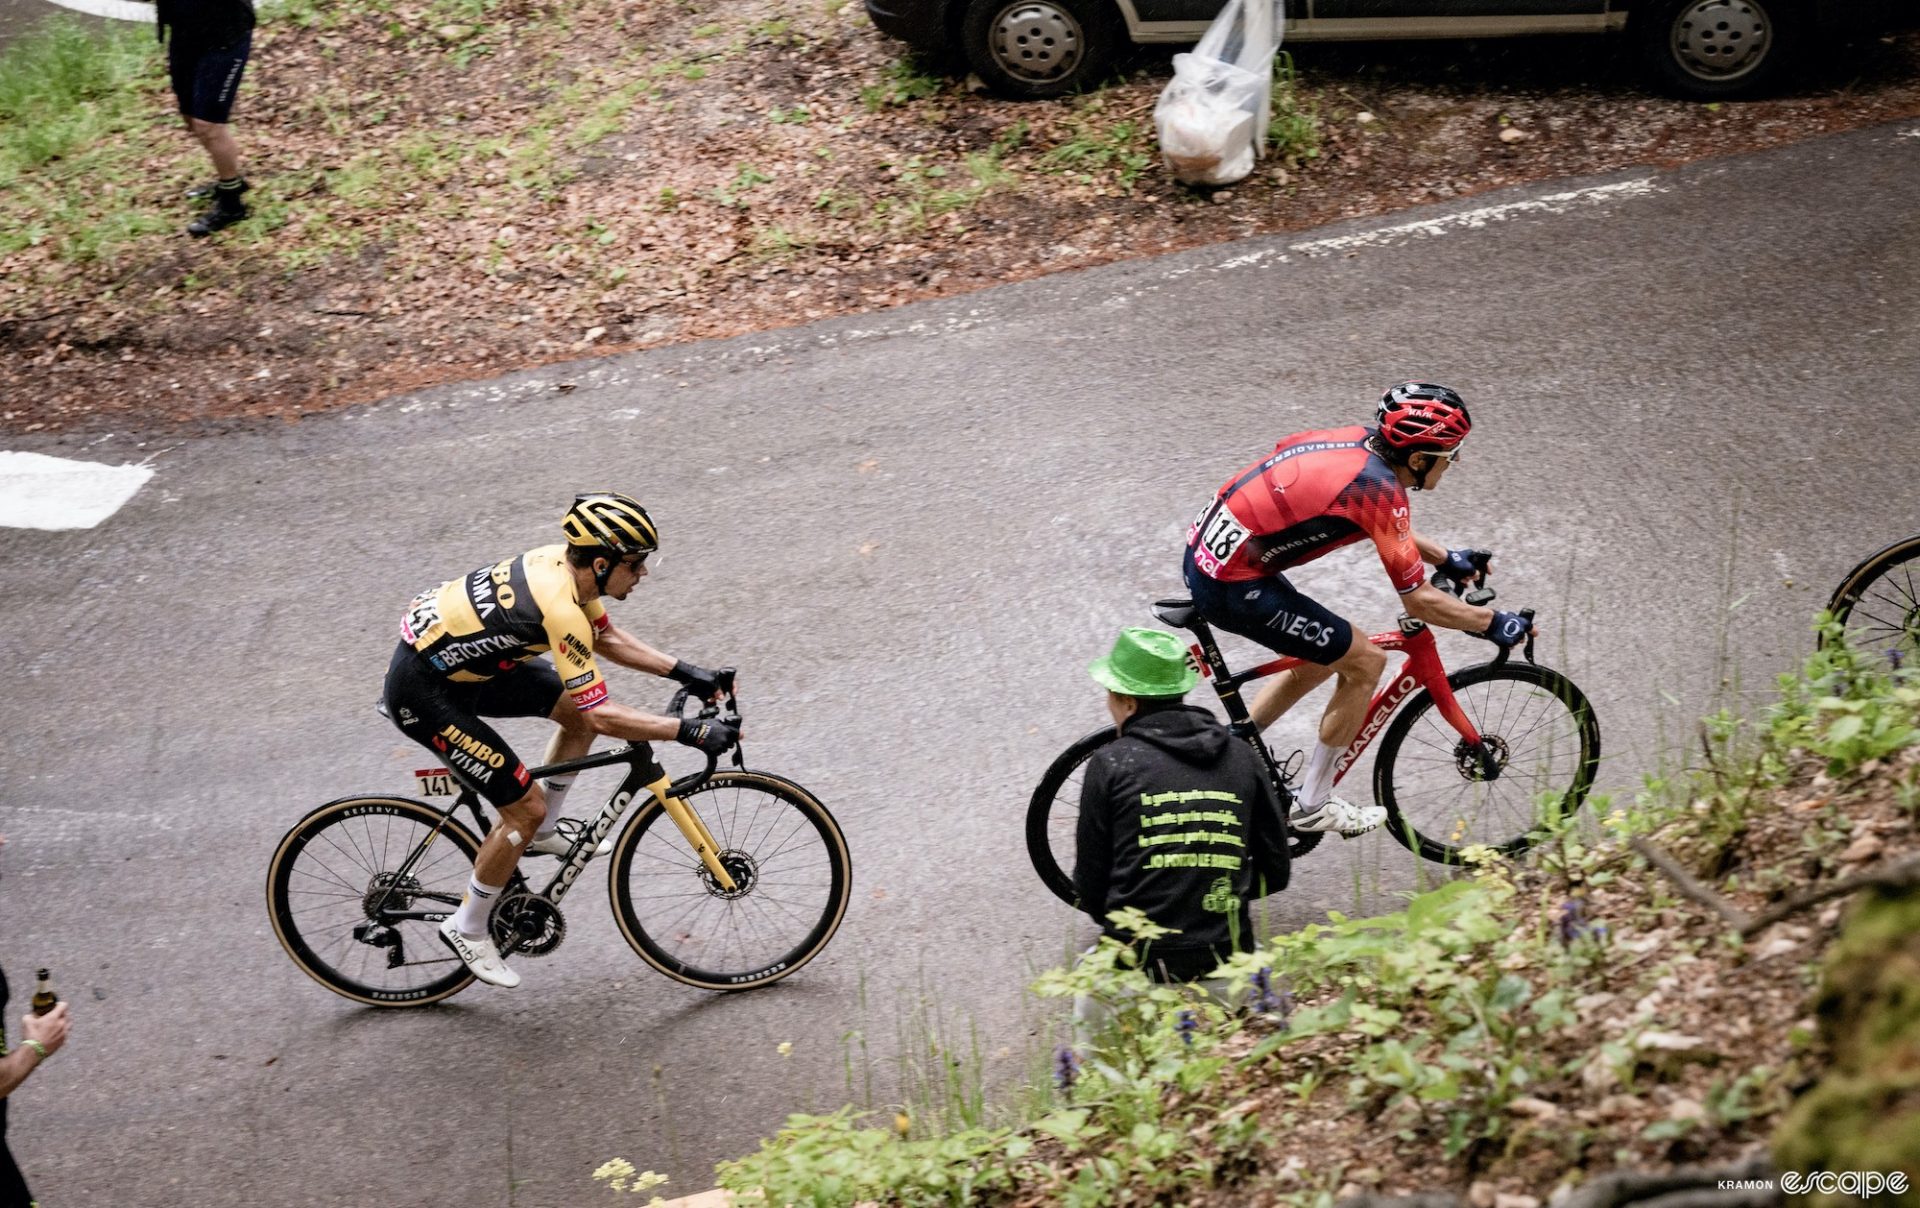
1470	220
118	10
53	493
1235	258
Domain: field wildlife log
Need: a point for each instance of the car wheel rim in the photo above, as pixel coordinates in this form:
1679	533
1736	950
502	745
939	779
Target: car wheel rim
1035	42
1721	39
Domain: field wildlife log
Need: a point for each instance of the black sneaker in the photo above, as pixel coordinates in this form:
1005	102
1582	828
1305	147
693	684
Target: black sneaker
219	216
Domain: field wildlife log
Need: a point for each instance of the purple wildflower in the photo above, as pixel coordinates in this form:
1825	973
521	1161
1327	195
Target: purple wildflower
1572	923
1187	1026
1066	1067
1263	996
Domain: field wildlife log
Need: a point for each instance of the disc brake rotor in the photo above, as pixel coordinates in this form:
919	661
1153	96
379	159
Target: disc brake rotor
741	867
1466	757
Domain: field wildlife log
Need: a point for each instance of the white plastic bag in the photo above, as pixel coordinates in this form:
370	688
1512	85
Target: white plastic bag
1212	117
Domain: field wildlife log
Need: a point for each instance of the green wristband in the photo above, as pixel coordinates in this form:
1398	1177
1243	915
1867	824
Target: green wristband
37	1047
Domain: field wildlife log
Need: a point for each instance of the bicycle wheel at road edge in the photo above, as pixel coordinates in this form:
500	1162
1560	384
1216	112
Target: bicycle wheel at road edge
1053	815
1878	603
1546	742
792	878
331	868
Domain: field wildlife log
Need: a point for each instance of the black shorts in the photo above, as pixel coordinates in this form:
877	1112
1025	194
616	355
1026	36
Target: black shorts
1270	612
205	78
444	717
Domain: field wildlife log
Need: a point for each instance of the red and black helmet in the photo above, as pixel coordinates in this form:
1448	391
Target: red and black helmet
1420	417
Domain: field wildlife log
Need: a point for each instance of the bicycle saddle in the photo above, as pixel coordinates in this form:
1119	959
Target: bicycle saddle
1178	613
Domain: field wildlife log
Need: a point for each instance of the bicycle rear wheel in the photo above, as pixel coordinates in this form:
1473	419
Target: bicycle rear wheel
1546	745
792	878
1878	604
334	891
1053	816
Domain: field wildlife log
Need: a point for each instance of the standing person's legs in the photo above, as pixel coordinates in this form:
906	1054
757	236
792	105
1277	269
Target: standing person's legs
205	81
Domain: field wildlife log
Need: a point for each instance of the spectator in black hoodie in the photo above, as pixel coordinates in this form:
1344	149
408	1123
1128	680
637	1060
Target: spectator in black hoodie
1177	816
206	56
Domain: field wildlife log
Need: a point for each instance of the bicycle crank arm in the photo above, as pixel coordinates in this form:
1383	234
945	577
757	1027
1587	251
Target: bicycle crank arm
697	835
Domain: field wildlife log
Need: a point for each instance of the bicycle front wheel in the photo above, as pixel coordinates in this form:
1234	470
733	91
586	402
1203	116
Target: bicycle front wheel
355	915
1545	743
791	872
1878	604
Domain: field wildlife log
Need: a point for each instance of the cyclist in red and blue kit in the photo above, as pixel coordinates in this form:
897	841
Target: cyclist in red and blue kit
1317	492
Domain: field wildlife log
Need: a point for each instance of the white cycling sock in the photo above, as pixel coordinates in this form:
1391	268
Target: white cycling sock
471	918
556	788
1317	785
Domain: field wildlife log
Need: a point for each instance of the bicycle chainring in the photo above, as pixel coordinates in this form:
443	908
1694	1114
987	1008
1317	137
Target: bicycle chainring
530	923
741	867
1466	757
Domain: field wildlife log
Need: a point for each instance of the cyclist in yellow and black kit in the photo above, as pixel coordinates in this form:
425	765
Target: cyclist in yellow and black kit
470	648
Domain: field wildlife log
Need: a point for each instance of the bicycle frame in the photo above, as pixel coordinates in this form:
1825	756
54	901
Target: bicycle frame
644	772
1422	669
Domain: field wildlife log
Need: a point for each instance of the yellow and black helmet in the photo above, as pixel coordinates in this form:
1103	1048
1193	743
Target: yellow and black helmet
610	521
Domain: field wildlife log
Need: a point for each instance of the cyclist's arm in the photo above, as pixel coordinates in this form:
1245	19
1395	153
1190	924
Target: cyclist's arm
1268	848
629	651
1436	607
1093	843
616	720
1431	552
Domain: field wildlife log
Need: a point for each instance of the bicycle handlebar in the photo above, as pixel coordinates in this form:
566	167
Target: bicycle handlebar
712	709
1481	595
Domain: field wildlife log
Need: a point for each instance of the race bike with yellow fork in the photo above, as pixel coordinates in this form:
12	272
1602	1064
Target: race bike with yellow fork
725	879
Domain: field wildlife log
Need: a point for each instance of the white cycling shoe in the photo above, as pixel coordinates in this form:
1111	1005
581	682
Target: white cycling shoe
1336	815
479	955
557	844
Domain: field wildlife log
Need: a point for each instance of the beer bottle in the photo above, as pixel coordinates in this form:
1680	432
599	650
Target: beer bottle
43	999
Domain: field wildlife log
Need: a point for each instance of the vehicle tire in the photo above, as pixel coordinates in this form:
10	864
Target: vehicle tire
325	879
1437	796
792	877
1053	816
1033	49
1878	604
1717	50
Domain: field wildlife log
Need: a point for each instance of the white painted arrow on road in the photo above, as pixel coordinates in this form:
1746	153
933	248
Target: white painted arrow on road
54	493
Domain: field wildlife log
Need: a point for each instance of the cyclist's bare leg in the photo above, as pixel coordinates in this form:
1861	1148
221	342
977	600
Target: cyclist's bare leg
1359	671
1284	691
573	739
506	841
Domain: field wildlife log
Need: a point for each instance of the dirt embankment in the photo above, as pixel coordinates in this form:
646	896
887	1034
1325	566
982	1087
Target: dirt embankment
445	190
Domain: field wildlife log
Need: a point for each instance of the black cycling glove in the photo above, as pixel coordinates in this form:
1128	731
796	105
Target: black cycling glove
1508	628
707	735
701	682
1460	565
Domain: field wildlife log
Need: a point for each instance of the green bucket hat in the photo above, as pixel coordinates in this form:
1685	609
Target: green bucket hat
1145	662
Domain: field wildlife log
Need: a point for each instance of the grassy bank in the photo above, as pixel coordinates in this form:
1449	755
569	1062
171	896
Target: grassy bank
1640	993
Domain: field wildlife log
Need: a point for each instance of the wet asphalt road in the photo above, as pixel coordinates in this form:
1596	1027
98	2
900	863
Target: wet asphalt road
911	530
